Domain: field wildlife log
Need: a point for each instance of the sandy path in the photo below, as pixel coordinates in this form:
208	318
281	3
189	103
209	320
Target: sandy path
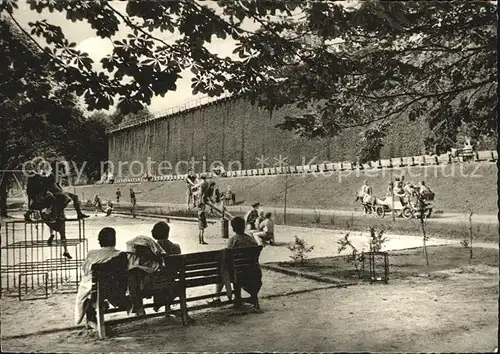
185	234
458	314
441	218
445	217
455	314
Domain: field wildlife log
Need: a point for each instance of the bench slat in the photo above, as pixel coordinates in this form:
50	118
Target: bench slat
201	273
195	282
196	266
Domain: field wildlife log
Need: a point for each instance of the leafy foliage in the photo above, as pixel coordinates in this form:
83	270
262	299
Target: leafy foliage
38	116
355	258
300	250
377	240
467	243
366	65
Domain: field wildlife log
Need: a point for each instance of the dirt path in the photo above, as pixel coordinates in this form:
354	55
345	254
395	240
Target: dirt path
445	217
450	312
456	313
184	233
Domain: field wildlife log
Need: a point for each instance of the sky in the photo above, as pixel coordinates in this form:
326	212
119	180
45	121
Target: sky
84	36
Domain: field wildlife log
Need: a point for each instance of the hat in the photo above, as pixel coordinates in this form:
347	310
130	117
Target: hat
255	205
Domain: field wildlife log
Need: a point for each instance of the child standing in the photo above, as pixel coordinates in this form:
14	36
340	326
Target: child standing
202	223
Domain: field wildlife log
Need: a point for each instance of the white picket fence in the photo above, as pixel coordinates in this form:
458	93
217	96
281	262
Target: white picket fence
398	162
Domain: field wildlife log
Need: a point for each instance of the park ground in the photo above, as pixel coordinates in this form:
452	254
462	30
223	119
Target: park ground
451	306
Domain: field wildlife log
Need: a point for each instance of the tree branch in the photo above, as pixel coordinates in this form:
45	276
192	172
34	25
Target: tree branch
129	23
35	42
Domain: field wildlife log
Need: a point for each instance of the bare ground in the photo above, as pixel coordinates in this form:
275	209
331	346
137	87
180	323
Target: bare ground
455	310
454	313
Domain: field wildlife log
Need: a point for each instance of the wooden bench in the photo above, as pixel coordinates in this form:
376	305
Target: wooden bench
181	272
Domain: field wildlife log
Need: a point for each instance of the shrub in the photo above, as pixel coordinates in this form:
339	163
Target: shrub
356	257
317	216
377	240
300	250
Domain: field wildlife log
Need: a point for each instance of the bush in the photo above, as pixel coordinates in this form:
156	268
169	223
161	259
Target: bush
300	250
377	240
356	257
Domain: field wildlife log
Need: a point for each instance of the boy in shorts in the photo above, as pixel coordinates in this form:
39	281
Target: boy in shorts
202	223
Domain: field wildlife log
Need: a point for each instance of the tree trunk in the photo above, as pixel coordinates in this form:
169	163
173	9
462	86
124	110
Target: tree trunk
3	196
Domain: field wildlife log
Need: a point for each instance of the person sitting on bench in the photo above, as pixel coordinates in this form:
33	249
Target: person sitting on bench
114	288
160	233
144	259
251	280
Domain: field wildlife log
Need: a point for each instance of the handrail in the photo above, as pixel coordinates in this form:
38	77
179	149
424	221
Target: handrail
199	102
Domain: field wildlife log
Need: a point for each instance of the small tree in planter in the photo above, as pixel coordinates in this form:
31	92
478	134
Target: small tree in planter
377	240
422	218
355	258
300	250
468	242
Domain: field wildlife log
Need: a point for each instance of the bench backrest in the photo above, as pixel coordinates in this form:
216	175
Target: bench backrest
189	270
241	259
198	269
113	271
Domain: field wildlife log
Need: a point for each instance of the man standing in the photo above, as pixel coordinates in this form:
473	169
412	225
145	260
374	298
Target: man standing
201	189
118	195
133	201
190	182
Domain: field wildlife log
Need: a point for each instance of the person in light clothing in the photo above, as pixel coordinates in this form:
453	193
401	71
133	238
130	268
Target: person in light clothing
366	188
266	229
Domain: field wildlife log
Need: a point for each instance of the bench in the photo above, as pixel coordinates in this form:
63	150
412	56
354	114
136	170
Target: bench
396	161
328	167
385	163
181	272
347	166
409	161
